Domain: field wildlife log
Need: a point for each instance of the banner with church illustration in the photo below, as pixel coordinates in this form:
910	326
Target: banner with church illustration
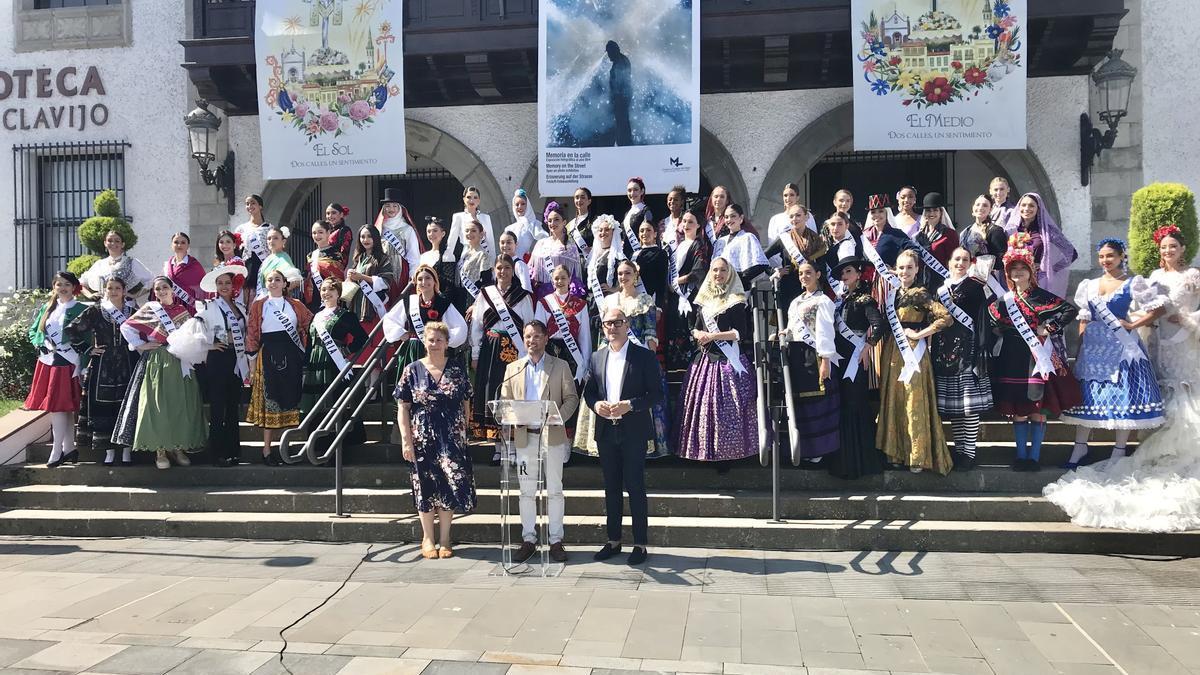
330	87
939	74
618	95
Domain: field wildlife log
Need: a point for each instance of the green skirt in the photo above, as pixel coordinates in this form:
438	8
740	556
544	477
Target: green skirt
170	412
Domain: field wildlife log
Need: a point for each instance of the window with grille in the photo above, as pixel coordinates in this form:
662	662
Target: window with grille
56	4
54	185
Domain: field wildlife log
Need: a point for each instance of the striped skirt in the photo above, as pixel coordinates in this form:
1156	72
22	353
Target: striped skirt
963	394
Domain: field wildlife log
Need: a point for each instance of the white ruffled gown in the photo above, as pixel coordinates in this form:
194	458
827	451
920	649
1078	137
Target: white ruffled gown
1157	489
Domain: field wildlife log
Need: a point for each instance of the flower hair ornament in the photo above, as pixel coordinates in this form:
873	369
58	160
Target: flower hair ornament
550	206
283	229
1114	243
1019	240
345	211
237	238
520	192
1165	231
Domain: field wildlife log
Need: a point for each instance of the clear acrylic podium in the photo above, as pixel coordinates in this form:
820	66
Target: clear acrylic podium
508	416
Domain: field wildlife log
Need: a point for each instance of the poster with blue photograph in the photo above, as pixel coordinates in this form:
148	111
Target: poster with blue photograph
618	95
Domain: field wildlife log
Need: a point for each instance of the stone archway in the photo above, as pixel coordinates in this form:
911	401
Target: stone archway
836	127
284	198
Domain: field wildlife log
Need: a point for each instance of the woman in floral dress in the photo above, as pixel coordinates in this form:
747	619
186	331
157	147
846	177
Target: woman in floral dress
432	395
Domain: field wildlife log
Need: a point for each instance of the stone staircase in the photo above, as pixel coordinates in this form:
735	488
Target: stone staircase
988	509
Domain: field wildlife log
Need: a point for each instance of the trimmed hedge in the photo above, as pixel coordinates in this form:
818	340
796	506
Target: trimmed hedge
92	231
1154	206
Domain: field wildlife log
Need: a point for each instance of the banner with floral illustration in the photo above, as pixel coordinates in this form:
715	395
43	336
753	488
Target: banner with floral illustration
939	74
330	87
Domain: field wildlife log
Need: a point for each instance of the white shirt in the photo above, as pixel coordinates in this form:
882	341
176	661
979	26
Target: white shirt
614	372
535	373
271	323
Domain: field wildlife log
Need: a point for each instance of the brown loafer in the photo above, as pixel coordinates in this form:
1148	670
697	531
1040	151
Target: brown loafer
558	553
524	553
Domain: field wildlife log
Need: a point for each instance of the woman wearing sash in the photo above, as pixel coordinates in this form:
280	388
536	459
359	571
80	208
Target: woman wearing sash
635	190
1052	251
400	240
795	246
278	259
652	264
781	222
163	411
906	217
1002	208
741	247
525	228
910	431
443	257
340	235
960	358
600	270
642	316
983	237
325	262
119	264
252	236
670	229
110	365
278	335
843	201
55	387
471	212
1120	390
1158	487
367	284
184	271
552	252
474	268
508	247
859	327
227	368
691	258
334	335
405	321
566	313
812	357
579	230
1030	378
228	252
840	242
498	317
936	232
714	213
718	419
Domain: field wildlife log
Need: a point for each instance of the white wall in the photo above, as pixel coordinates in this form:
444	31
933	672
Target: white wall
1170	140
146	98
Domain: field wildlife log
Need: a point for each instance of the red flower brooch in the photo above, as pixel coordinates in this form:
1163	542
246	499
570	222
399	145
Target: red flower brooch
432	314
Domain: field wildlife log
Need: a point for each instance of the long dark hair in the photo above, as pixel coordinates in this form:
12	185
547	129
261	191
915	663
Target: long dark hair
441	248
65	276
747	226
376	251
220	257
822	280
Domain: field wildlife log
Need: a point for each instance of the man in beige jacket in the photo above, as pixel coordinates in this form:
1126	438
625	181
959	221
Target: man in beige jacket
541	377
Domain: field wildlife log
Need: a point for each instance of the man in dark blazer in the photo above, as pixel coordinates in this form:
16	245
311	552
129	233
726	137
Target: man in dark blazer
625	384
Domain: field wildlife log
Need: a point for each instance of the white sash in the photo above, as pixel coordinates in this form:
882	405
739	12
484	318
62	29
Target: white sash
627	226
180	293
710	231
368	292
160	313
548	265
414	315
685	307
313	269
465	279
331	345
930	261
392	239
957	312
115	315
881	267
1043	365
792	249
912	357
506	321
859	343
593	282
288	327
1131	349
239	339
257	246
564	332
727	348
54	336
585	251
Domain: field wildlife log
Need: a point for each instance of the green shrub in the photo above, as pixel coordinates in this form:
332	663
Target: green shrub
108	217
82	264
17	355
1154	206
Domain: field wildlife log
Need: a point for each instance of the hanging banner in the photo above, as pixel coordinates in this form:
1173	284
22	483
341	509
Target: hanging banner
618	95
330	87
939	74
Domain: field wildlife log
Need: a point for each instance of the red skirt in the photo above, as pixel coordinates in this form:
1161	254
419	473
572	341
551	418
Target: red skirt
367	327
54	389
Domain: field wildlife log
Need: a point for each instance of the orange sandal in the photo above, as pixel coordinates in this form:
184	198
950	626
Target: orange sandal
446	552
429	553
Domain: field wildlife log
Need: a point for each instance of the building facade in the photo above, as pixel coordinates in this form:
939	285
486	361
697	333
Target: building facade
775	108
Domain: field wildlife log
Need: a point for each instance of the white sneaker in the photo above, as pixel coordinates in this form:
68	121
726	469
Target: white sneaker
180	457
161	461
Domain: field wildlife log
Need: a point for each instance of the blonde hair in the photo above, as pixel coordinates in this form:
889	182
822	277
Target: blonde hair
438	327
909	253
331	282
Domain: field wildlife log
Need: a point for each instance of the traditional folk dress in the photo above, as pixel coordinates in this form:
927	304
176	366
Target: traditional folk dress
127	268
323	263
960	363
816	404
744	253
1017	390
859	326
940	241
55	386
654	271
238	280
528	232
810	246
992	240
402	245
634	217
547	254
278	334
185	279
642	316
163	409
1115	375
691	262
458	227
580	235
343	238
226	372
910	431
446	264
108	373
255	252
442	475
718	419
555	310
496	341
334	336
368	300
405	324
599	275
273	262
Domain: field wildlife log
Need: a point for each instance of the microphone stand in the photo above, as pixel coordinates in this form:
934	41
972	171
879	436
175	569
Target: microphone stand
764	297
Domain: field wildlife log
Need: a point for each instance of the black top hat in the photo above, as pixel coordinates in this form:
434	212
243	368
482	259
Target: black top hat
933	200
843	263
390	195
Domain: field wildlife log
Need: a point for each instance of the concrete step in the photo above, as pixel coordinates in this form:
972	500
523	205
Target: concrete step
924	535
667	503
582	472
376	452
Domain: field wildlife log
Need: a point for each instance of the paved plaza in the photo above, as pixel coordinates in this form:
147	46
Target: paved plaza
209	607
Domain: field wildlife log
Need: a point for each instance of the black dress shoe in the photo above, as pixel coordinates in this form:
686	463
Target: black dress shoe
607	552
558	553
963	462
55	463
271	460
227	461
71	457
525	552
637	556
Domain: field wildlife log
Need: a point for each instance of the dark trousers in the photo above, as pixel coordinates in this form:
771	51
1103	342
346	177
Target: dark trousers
223	391
624	466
